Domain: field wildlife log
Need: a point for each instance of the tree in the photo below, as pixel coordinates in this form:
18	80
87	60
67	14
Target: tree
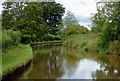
52	15
69	19
106	22
71	26
33	19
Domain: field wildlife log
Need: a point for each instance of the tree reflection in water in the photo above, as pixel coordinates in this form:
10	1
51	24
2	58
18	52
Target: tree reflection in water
56	61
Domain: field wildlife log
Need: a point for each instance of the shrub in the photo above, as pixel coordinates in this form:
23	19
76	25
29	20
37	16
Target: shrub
75	29
47	37
5	39
57	38
15	36
84	43
50	37
26	39
10	38
114	47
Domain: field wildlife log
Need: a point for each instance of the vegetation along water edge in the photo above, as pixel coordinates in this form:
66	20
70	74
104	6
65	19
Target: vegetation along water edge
16	59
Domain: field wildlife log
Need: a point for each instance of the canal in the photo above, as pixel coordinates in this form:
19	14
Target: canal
58	62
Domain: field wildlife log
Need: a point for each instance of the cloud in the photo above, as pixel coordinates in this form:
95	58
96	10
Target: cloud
1	6
82	3
83	19
82	9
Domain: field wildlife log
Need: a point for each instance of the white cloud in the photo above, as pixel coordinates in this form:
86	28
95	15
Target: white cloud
1	6
0	9
81	8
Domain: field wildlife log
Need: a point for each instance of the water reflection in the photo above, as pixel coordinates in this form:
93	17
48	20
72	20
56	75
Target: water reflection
83	70
51	62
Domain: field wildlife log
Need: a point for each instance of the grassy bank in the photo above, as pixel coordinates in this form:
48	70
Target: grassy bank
83	42
16	57
46	41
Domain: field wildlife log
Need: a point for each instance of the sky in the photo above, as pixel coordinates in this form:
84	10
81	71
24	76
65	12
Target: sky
1	1
82	9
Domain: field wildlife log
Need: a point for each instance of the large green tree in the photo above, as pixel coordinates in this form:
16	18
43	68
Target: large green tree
52	15
33	19
106	22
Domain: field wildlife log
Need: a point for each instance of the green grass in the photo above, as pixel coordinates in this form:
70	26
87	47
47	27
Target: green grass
46	41
16	57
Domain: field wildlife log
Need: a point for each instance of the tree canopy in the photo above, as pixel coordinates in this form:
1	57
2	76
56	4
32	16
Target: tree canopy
33	19
106	22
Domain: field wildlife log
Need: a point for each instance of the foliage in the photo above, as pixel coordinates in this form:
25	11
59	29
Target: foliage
71	26
0	40
69	19
106	22
52	15
10	38
26	39
83	42
114	47
75	29
33	19
46	42
50	37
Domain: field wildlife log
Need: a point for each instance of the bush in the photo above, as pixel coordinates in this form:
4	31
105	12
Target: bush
10	38
47	37
75	29
26	39
50	37
84	43
56	38
114	47
15	36
5	40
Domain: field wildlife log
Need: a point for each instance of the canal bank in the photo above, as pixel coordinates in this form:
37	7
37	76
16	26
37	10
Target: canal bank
19	58
16	60
46	43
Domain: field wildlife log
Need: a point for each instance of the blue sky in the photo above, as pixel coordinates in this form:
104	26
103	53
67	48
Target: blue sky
82	9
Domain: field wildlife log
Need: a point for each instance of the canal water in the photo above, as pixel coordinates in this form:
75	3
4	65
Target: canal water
58	62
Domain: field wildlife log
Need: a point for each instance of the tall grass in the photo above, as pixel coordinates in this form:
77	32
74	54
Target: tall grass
92	43
83	42
114	47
